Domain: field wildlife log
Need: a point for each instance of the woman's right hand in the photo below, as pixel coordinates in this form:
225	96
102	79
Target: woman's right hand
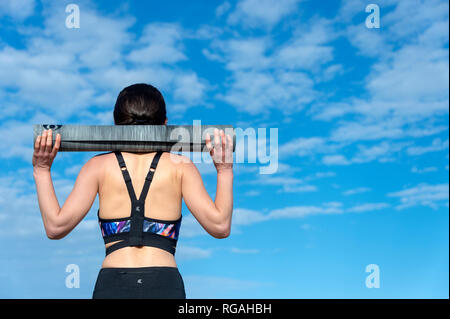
222	151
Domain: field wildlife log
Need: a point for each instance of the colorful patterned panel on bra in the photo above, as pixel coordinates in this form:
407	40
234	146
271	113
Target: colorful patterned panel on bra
111	228
163	229
170	230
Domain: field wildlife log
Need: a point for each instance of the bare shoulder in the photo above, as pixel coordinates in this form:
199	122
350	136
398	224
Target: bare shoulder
181	163
178	160
97	163
102	158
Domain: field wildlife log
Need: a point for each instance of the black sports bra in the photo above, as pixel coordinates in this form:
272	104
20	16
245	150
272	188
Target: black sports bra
138	230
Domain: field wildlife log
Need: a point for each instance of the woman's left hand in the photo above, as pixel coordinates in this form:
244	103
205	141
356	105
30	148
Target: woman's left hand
44	155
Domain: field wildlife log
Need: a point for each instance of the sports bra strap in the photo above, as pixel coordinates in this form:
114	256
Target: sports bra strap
127	178
137	206
149	177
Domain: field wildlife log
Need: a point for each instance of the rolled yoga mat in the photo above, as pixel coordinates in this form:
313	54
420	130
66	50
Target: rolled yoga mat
133	138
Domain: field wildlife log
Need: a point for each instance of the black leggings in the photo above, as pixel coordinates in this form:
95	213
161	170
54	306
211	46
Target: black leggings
139	283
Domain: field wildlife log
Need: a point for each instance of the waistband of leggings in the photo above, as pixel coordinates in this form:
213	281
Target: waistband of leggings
139	269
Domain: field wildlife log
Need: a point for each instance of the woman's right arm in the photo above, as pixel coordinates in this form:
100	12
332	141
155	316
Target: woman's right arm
215	217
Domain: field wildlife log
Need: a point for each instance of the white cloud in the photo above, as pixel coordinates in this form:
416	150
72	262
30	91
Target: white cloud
349	9
190	227
243	216
265	13
73	170
204	32
411	17
429	169
45	74
369	42
288	169
244	251
357	190
368	207
97	44
189	252
357	131
98	48
223	8
426	131
277	180
307	49
381	152
303	146
17	9
253	49
259	92
304	56
300	189
19	204
303	211
206	168
347	133
373	129
320	175
267	75
189	88
436	33
329	111
330	72
88	225
413	83
335	160
18	134
159	43
407	85
310	146
289	184
436	145
422	195
252	193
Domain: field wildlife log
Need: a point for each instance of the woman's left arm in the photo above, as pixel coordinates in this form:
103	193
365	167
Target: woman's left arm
58	222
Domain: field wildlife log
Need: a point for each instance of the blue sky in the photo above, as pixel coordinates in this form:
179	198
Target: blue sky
362	118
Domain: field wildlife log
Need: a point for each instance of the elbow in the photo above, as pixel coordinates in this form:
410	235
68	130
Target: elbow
54	233
222	231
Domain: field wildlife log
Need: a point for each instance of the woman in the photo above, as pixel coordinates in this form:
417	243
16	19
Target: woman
140	245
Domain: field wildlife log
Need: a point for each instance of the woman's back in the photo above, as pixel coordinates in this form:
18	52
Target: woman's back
140	249
163	201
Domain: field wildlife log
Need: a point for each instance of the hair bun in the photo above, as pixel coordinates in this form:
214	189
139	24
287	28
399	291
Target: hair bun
140	104
137	119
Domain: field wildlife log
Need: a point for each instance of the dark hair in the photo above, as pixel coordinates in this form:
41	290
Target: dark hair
140	104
